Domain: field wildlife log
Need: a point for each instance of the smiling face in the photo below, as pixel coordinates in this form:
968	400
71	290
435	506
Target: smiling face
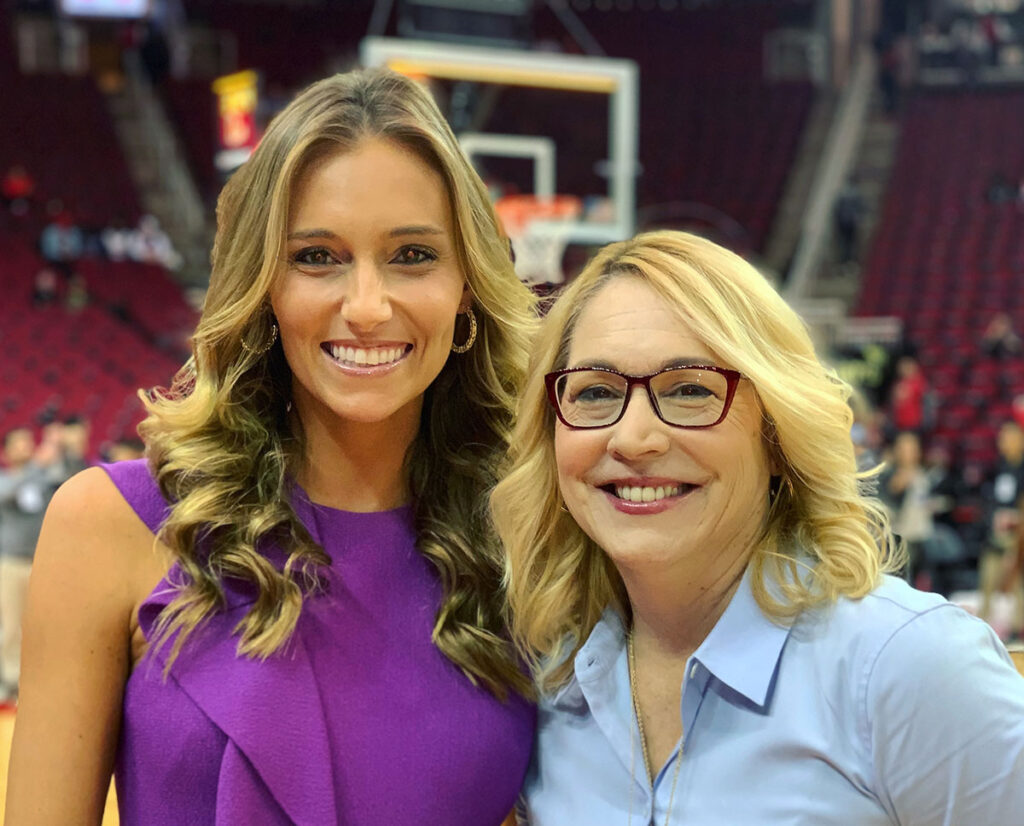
367	301
646	492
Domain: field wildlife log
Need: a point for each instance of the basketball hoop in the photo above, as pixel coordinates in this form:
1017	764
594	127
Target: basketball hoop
539	228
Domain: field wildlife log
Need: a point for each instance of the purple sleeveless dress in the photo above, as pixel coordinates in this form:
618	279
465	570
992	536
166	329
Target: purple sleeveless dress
360	720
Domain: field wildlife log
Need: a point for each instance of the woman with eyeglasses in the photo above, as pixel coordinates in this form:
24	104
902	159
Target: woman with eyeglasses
700	581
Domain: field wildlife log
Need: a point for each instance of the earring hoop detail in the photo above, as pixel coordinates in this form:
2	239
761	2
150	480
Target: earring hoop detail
259	351
462	348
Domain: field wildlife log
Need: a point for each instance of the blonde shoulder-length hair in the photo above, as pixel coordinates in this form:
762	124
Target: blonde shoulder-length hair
220	443
823	537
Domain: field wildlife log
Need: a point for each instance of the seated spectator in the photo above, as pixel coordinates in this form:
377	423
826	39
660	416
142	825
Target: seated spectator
61	241
116	240
1000	341
17	190
44	288
1005	496
77	295
151	245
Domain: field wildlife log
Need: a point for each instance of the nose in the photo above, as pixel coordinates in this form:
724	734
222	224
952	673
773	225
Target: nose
366	303
639	432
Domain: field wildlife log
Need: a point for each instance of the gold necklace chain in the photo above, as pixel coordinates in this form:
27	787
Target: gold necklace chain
631	660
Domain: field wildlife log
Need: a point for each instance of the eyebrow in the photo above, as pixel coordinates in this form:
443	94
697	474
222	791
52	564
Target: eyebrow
416	229
397	232
303	234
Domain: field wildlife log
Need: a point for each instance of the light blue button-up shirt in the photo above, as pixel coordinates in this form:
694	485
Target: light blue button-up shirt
899	708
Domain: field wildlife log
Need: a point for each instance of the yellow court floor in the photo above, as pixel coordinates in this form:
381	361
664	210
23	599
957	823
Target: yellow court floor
6	729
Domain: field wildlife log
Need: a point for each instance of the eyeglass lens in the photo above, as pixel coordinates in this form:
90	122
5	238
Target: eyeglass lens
688	397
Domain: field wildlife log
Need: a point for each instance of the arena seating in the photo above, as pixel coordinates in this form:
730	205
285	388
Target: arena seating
91	362
946	260
63	135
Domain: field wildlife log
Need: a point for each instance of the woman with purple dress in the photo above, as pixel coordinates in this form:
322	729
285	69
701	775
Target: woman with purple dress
291	610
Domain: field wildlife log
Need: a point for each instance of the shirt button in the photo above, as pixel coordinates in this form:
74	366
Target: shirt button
693	671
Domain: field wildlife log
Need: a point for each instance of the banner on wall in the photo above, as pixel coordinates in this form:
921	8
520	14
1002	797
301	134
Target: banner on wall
237	101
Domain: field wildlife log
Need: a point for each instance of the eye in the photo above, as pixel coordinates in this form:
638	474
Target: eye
314	257
413	255
687	391
594	393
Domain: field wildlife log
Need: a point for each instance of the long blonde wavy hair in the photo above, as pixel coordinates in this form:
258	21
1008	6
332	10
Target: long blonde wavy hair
823	537
219	441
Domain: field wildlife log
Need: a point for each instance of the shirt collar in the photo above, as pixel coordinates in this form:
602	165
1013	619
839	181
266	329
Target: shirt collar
744	647
742	650
594	660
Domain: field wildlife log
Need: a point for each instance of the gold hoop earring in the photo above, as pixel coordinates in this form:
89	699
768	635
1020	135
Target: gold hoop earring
259	351
462	348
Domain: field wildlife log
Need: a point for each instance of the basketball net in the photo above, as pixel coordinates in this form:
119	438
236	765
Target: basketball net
539	228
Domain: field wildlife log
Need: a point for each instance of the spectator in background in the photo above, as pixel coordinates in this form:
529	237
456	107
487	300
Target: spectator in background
61	241
17	190
1005	496
124	449
1000	341
44	288
149	244
944	484
77	296
116	240
847	216
74	445
946	552
909	397
906	490
27	482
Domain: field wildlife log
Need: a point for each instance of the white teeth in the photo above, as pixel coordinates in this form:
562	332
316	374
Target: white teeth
368	358
646	494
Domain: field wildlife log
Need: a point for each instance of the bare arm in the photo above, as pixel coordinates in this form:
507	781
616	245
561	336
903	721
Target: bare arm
94	563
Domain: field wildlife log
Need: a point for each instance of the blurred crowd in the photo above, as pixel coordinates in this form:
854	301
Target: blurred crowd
960	519
63	239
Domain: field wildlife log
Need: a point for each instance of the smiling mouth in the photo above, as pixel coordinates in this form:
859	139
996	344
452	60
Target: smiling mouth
646	493
366	356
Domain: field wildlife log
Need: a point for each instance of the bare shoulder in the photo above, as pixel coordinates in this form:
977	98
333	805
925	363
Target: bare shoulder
90	531
90	497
